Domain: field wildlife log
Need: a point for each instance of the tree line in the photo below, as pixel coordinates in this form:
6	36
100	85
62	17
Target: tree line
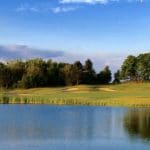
41	73
136	68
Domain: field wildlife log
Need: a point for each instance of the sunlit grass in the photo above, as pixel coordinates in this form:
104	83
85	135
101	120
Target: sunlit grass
129	94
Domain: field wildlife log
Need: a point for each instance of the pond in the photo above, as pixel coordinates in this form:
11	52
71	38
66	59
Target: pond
43	127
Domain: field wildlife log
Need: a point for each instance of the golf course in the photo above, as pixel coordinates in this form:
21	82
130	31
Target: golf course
125	94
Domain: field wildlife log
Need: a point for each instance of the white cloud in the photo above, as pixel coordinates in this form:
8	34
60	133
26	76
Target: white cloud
27	7
63	9
97	1
39	8
84	1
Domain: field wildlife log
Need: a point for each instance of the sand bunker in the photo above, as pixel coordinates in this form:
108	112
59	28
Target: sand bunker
72	89
75	89
107	89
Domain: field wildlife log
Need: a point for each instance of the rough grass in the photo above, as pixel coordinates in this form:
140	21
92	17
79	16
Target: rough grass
129	94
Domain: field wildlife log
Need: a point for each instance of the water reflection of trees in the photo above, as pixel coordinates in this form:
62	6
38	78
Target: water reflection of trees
137	123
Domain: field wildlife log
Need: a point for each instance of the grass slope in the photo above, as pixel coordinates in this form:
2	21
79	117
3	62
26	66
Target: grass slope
128	94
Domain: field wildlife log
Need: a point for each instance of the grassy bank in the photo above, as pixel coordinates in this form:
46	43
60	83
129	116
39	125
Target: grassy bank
129	94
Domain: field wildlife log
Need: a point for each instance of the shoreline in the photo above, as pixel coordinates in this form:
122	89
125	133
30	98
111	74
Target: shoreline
104	103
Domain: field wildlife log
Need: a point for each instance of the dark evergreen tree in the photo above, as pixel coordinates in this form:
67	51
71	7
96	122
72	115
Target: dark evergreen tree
78	72
117	77
89	74
104	77
16	70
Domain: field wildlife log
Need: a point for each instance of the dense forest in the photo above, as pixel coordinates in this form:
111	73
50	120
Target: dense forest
41	73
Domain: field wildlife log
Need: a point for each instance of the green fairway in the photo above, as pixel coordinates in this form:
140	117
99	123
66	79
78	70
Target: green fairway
127	94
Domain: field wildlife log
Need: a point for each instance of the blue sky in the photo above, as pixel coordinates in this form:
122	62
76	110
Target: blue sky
104	30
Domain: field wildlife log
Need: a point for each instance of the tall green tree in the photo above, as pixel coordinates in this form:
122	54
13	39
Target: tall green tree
35	73
54	73
88	65
104	77
77	72
117	77
68	73
129	68
3	79
17	69
89	74
143	67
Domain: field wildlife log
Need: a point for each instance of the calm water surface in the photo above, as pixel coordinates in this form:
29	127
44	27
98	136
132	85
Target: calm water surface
36	127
